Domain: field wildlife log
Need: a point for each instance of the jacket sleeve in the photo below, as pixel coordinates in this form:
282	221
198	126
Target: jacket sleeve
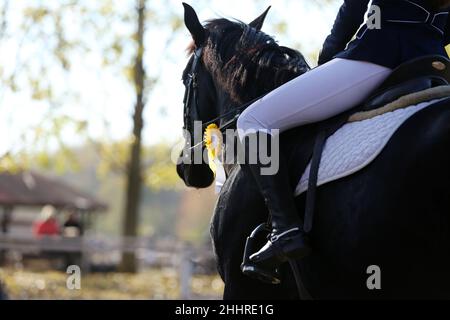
349	19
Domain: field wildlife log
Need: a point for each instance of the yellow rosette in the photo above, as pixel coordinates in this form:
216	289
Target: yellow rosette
213	140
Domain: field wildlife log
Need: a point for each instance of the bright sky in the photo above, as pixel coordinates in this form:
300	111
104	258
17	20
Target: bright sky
107	96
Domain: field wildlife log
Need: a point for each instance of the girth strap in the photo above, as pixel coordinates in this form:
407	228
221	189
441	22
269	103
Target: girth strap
312	183
328	128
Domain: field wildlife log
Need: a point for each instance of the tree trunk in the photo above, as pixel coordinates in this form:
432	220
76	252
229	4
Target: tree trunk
134	172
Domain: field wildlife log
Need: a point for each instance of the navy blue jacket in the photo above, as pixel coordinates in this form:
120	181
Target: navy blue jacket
397	41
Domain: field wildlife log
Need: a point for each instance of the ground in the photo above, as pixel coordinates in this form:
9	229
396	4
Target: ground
150	284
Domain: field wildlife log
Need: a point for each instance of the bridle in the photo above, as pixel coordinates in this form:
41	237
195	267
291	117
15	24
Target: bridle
190	101
191	106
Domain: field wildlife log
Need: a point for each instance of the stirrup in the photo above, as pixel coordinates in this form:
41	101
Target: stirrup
255	270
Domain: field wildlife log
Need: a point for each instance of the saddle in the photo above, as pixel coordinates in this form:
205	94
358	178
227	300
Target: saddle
413	76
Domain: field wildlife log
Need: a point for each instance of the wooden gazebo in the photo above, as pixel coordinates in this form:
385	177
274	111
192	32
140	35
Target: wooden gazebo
29	189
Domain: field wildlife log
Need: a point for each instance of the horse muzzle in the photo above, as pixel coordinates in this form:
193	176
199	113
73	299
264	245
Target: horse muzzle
195	175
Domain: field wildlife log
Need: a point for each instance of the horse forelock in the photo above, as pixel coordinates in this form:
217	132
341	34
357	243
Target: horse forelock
247	62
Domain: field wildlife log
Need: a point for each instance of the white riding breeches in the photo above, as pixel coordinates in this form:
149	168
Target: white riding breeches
319	94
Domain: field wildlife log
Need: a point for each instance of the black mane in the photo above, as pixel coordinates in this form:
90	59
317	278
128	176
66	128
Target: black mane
246	62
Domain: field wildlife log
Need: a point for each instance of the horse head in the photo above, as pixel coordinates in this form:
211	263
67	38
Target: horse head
207	88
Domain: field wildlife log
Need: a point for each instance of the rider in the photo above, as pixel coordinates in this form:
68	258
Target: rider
345	77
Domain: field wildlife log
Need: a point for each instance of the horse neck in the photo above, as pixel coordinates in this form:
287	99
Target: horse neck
225	103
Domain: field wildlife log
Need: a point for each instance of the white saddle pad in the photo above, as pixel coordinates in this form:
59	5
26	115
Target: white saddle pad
357	144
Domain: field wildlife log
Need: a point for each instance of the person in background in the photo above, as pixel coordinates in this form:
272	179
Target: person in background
46	225
72	226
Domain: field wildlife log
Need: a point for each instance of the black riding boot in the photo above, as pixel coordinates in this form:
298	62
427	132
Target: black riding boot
287	239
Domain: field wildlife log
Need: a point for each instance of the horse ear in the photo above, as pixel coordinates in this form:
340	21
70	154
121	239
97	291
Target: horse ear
193	24
258	22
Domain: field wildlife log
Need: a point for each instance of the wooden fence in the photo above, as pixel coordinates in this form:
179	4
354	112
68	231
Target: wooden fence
175	254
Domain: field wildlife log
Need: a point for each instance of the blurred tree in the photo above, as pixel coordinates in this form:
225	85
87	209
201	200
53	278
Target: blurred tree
134	170
40	47
45	41
48	39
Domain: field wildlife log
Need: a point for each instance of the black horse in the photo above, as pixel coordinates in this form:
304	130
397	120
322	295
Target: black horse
393	214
